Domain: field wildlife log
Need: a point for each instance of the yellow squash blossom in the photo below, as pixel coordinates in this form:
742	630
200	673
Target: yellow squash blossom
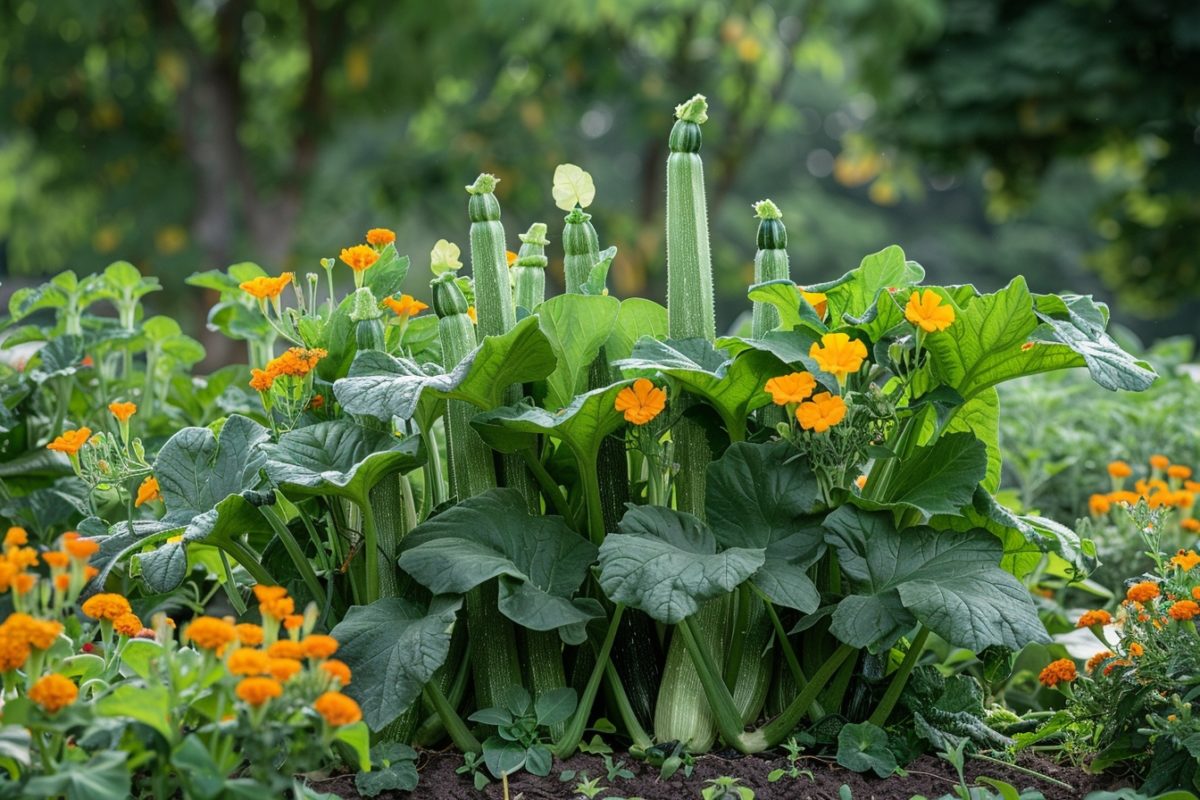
71	441
122	411
641	402
359	257
795	387
928	311
266	288
147	492
817	300
407	306
839	355
820	414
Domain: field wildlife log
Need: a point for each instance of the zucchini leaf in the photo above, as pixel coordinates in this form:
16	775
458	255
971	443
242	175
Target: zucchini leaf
939	478
576	326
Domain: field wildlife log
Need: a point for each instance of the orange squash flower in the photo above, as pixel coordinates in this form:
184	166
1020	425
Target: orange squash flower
265	288
1056	672
510	257
380	237
795	387
839	355
407	306
147	492
817	300
820	414
360	257
928	311
71	441
122	411
641	402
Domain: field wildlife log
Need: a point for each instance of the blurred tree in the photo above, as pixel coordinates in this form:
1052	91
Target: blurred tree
1031	85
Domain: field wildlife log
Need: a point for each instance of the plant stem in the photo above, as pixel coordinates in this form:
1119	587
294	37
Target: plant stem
248	560
595	508
371	546
235	597
550	488
566	745
295	552
789	654
620	698
899	679
1024	770
741	614
459	733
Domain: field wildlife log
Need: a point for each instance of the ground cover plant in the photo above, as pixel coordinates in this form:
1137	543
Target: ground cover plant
525	525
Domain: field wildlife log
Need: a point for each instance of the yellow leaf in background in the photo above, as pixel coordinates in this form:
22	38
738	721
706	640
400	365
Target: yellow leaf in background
444	257
572	186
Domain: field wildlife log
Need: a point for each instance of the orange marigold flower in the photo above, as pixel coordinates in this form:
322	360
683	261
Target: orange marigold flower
296	362
71	441
293	621
36	633
210	633
1120	662
261	380
337	669
1099	505
1192	486
286	648
90	572
1186	560
22	557
359	257
818	300
257	691
795	387
1056	672
62	581
282	669
82	549
24	583
1183	610
263	592
1179	472
927	311
1159	461
279	608
16	537
1119	469
128	624
1143	592
122	411
839	355
641	402
56	559
337	709
1129	498
319	646
1136	650
821	413
106	606
1098	659
380	236
53	692
1089	618
265	288
249	634
148	491
1196	592
14	649
407	306
248	661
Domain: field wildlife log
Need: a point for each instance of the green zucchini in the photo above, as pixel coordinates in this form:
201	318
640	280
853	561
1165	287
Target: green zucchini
770	263
529	270
489	266
581	249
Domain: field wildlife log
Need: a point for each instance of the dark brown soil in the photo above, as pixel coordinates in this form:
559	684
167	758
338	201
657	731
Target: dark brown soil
927	776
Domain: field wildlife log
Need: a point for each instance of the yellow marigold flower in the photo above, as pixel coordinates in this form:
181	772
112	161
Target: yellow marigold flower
256	691
82	549
1089	618
795	387
319	646
1183	610
471	313
106	606
1099	505
249	634
261	380
407	306
1056	672
128	625
282	669
1159	461
1119	469
56	559
265	288
1143	592
286	648
510	257
53	692
210	633
817	300
337	709
1098	659
641	402
16	537
380	237
1186	560
122	411
71	441
248	661
337	669
1179	472
148	491
359	257
926	310
1136	650
821	413
839	355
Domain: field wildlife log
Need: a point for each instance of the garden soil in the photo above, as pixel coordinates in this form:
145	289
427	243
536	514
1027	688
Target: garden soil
927	776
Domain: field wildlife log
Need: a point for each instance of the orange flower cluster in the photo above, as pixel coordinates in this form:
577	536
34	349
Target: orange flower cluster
795	387
1056	672
20	635
53	692
16	559
1167	486
297	362
1089	618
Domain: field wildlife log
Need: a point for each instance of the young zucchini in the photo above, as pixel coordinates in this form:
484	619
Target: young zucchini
770	263
529	271
493	292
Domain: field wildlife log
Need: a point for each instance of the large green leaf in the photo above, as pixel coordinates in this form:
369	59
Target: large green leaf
636	318
149	704
539	560
582	425
104	777
950	581
577	326
765	496
939	478
853	294
338	457
393	647
980	417
1077	322
386	276
666	563
785	297
863	747
734	387
790	347
382	386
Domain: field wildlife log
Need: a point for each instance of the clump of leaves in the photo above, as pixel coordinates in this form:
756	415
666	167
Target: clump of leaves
393	768
794	753
726	787
522	730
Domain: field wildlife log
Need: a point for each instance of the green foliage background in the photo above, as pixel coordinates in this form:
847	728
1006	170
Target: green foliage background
989	137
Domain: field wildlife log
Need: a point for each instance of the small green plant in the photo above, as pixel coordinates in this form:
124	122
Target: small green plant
794	750
616	769
726	787
670	757
473	765
393	768
522	730
589	787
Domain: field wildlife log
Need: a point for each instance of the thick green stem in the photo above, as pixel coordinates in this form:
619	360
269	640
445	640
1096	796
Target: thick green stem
248	561
625	710
789	655
550	488
581	249
389	511
278	524
595	508
770	263
566	744
460	734
782	726
899	679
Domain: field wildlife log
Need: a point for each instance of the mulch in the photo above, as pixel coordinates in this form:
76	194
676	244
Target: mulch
927	776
